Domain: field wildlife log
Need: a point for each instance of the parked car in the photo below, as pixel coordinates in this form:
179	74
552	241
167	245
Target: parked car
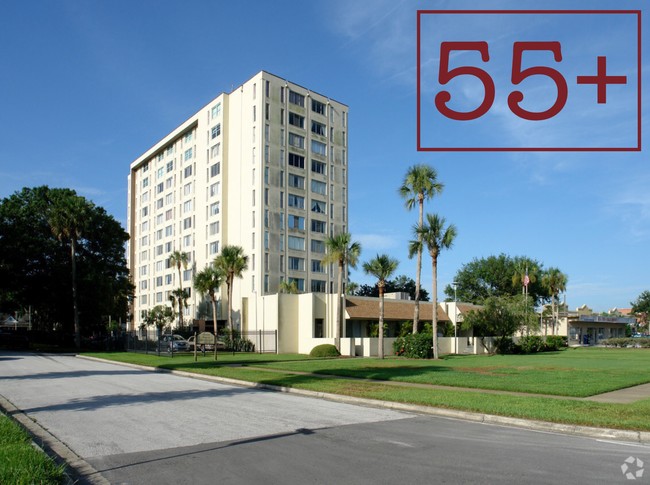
173	342
208	346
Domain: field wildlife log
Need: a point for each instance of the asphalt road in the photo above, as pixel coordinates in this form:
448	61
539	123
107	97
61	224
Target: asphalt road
138	427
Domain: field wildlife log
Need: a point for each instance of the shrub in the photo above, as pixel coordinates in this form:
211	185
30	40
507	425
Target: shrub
555	342
418	346
506	345
531	344
324	350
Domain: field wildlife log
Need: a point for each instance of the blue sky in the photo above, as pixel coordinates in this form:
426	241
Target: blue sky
87	86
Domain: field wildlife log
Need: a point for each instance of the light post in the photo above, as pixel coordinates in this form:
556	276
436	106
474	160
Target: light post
455	285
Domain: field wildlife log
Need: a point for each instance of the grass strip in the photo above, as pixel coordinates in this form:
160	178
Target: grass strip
20	462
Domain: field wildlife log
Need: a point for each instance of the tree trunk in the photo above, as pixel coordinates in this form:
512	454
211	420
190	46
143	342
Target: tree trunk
180	298
75	307
380	349
554	314
214	320
229	284
434	297
418	271
338	331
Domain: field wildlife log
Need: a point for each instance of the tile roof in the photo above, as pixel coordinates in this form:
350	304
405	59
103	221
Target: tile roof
361	307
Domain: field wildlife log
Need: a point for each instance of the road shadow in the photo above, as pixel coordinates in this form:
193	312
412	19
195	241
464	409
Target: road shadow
75	374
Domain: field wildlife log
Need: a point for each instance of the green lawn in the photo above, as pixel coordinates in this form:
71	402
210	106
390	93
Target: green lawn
579	372
20	462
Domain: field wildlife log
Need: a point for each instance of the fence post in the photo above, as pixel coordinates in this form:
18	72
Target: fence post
277	351
259	333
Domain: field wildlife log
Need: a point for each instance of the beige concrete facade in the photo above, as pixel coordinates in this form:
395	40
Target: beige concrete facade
263	167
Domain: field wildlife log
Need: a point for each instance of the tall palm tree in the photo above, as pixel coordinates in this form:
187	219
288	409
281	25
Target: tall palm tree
436	237
420	183
209	281
555	281
342	251
68	219
232	262
179	259
381	267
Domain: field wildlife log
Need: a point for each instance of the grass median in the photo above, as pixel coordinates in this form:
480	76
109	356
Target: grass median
570	373
20	462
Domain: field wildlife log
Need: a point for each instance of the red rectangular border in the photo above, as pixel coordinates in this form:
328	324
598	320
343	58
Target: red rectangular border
637	148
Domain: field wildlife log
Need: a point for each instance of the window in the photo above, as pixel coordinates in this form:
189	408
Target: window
214	209
318	207
144	241
296	222
297	243
168	279
214	189
215	169
266	240
267	116
297	161
159	250
319	148
297	99
170	166
187	206
282	94
169	230
316	266
317	107
213	228
317	286
318	187
160	187
215	150
296	181
296	264
169	199
216	110
318	226
158	234
145	197
144	284
318	167
188	137
267	88
317	246
266	175
188	171
160	173
145	211
214	248
318	128
215	131
145	182
187	189
187	223
187	275
169	214
296	140
296	201
187	241
159	203
188	154
296	120
159	280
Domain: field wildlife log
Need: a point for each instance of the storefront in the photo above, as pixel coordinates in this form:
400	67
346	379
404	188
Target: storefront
592	329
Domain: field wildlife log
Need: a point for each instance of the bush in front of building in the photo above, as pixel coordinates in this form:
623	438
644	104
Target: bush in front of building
555	342
324	350
531	344
627	342
418	346
505	345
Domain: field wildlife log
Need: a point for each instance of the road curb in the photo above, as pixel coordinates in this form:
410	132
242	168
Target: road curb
78	470
546	426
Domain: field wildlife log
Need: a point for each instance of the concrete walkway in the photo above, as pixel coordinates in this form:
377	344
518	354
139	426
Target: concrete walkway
621	396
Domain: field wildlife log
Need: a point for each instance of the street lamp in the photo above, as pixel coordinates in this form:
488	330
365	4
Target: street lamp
455	285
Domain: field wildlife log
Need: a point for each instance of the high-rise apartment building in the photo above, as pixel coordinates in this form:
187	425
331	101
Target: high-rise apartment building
263	167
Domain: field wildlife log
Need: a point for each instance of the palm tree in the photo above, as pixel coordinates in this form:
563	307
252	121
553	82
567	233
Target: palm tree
555	281
68	220
209	281
232	262
382	268
288	286
437	237
178	259
351	288
344	252
420	183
